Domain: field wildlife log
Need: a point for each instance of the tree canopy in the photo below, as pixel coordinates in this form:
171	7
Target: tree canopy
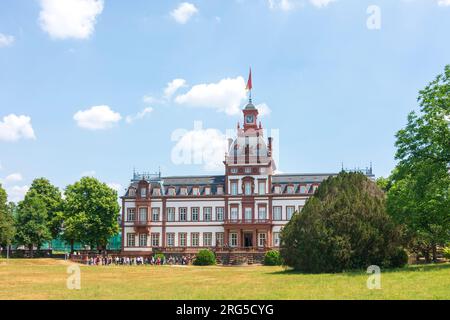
52	199
419	187
91	212
7	229
343	226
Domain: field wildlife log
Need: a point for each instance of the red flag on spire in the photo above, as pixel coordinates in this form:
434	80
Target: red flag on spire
249	82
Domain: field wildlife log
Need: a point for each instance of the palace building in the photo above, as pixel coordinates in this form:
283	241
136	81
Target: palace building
242	210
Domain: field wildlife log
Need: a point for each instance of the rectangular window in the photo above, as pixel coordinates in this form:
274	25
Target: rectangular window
195	239
182	239
170	214
219	190
290	189
276	239
277	213
234	188
155	239
207	214
131	192
303	189
207	191
248	214
143	214
131	239
261	239
233	239
143	192
131	214
207	239
219	239
248	170
155	214
195	191
262	213
262	188
194	214
234	214
234	170
142	240
171	191
219	213
170	239
156	192
183	191
248	188
289	212
300	208
277	189
183	214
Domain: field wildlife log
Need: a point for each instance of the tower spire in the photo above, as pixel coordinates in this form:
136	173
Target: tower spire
249	86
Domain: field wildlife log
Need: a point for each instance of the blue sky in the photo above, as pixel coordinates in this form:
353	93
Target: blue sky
84	84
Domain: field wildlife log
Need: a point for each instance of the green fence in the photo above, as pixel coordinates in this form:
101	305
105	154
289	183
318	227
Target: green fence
114	243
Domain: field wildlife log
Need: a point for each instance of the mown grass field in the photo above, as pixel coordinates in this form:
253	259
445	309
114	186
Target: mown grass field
46	279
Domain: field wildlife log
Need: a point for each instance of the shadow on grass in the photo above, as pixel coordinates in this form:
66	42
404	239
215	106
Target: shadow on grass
352	273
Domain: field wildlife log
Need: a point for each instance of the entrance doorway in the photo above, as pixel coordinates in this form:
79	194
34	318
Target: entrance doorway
248	239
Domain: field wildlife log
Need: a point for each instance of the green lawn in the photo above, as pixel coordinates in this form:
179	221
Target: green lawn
46	279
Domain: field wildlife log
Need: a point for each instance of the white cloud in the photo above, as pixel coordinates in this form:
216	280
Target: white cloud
139	115
14	127
149	99
97	118
321	3
184	12
444	3
69	18
6	40
173	87
224	96
205	147
16	193
14	177
263	110
284	5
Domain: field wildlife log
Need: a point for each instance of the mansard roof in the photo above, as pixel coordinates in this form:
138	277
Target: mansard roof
300	178
193	180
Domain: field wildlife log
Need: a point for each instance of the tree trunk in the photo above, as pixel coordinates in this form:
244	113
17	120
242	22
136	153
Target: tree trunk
426	254
434	249
72	244
30	247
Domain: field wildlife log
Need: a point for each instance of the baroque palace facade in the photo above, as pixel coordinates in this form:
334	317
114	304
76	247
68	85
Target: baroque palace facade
243	210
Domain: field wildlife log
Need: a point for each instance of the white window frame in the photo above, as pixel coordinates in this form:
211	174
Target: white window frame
195	214
262	238
276	239
142	240
219	239
233	241
183	214
131	214
170	214
262	213
155	214
183	239
248	214
234	213
234	188
143	214
170	239
131	239
275	213
207	214
248	188
155	239
195	239
262	187
290	214
207	239
220	213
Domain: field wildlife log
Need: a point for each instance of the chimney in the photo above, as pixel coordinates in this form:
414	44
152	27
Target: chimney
270	146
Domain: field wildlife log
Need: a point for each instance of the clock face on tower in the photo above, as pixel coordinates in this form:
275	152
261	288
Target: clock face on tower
249	119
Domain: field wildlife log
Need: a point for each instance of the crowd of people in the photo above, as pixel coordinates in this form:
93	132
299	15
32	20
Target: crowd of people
102	260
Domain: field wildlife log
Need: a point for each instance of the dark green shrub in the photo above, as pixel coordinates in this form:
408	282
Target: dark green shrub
343	226
205	257
399	258
273	258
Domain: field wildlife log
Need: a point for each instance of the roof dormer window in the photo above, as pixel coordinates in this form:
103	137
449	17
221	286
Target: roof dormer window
183	191
171	191
207	191
195	191
143	192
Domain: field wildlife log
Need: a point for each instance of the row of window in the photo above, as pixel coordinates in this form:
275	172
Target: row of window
194	239
207	214
234	190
